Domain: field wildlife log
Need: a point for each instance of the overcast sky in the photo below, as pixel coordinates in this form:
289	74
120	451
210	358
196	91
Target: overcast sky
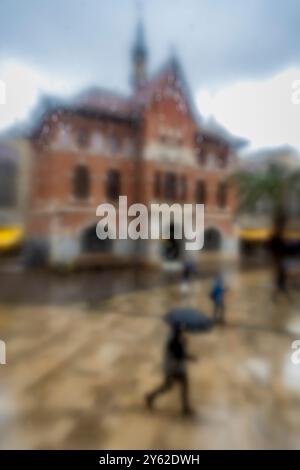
240	57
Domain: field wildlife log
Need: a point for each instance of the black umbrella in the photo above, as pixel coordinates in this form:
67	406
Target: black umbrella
189	319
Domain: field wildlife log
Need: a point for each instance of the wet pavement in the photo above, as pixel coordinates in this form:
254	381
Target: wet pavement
44	287
77	371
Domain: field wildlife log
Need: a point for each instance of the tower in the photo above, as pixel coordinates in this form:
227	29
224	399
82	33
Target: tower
139	58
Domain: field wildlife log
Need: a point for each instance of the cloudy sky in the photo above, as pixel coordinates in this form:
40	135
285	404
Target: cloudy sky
240	58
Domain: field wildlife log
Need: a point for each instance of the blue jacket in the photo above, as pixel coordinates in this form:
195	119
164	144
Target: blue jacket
218	292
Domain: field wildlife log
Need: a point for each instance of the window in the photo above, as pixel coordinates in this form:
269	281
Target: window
115	145
62	139
113	188
170	185
157	185
128	147
82	138
222	195
97	143
163	139
202	157
212	239
222	160
182	188
81	182
8	183
200	195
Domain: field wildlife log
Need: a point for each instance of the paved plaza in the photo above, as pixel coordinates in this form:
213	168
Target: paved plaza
77	373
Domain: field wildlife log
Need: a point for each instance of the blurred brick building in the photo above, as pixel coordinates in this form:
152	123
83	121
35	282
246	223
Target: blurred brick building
15	182
256	224
149	146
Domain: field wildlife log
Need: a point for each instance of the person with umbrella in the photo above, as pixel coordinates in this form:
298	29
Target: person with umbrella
176	355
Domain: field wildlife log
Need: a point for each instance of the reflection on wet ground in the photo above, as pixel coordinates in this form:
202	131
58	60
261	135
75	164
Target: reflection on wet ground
50	288
44	287
77	371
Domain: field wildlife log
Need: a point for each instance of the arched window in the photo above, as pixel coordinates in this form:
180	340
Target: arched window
8	183
90	243
170	185
157	185
182	188
113	185
222	195
212	239
200	195
81	182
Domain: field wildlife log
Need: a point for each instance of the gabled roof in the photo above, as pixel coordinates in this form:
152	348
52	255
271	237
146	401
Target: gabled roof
93	102
98	99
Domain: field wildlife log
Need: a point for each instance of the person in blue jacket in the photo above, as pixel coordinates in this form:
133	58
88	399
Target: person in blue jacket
218	297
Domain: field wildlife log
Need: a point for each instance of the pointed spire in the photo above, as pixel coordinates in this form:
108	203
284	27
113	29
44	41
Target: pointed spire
140	43
139	56
174	61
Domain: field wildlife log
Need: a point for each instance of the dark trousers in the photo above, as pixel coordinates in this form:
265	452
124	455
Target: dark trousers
169	382
281	287
219	312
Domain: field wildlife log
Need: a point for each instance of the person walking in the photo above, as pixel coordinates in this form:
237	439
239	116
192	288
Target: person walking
218	298
189	270
175	370
281	281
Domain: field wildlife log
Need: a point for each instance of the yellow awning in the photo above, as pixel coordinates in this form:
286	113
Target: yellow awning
260	234
292	235
264	234
10	237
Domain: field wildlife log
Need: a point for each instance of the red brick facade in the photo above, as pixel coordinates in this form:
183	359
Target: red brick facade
151	143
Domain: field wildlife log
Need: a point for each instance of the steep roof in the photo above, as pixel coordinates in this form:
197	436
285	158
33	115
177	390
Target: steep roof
98	99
